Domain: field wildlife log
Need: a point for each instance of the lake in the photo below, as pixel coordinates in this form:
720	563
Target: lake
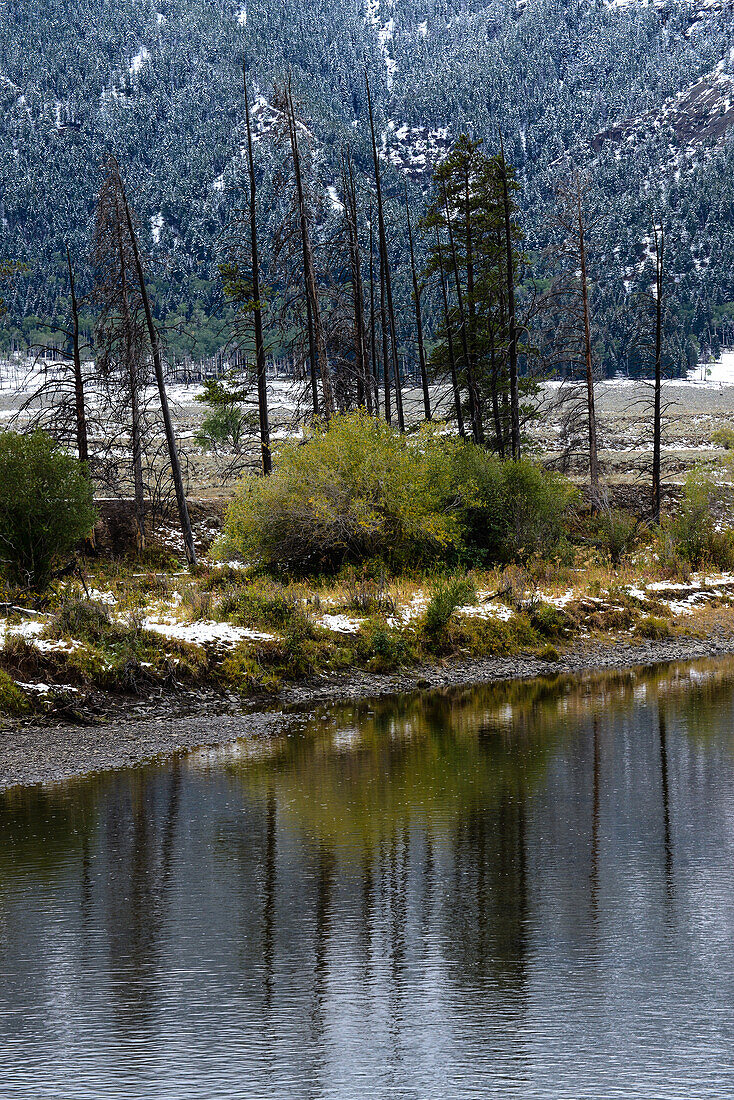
522	890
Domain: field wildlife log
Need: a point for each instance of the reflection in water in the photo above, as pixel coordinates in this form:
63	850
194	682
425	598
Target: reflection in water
454	895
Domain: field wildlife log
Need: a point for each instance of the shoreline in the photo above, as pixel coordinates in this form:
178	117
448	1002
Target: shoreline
33	754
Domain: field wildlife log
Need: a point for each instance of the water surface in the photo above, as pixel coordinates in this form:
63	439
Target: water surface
523	890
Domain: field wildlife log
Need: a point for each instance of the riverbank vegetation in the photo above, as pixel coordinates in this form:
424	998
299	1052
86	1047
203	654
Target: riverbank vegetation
366	549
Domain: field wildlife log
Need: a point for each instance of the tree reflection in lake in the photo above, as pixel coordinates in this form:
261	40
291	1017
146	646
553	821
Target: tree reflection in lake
479	892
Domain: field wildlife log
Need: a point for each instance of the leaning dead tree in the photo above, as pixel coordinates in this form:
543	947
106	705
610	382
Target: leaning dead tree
129	334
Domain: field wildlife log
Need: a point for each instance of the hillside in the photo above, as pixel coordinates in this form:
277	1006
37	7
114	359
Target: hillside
640	94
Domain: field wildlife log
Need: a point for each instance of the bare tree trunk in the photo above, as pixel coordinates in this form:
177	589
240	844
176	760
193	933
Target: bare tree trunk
593	458
510	276
474	410
317	347
364	388
657	426
418	316
385	345
385	267
262	387
82	444
133	382
450	341
155	345
499	435
471	305
373	327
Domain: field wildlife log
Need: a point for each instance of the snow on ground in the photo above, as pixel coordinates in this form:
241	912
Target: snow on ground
206	632
340	624
718	373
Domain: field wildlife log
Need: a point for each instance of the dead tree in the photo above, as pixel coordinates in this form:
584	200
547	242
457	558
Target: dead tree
262	388
317	347
364	382
474	409
659	240
570	295
156	351
385	267
373	327
449	337
82	443
120	334
512	321
418	316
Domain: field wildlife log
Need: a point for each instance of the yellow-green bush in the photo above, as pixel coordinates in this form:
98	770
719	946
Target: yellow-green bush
357	489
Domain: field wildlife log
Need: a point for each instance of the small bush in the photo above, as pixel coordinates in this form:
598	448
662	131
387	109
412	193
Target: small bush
549	621
369	597
653	627
514	510
46	508
549	653
356	489
447	596
13	700
264	604
81	619
700	527
617	534
382	647
723	437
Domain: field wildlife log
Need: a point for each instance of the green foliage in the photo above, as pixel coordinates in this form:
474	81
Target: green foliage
549	621
653	627
223	427
514	510
448	594
617	533
46	508
724	437
226	425
700	527
13	700
358	490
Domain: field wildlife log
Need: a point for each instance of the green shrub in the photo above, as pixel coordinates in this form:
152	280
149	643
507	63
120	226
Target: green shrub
700	528
653	627
13	700
617	534
81	619
449	594
724	437
46	507
514	510
383	647
549	621
355	489
265	605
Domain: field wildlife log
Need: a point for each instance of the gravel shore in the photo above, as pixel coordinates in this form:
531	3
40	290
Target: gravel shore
31	754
